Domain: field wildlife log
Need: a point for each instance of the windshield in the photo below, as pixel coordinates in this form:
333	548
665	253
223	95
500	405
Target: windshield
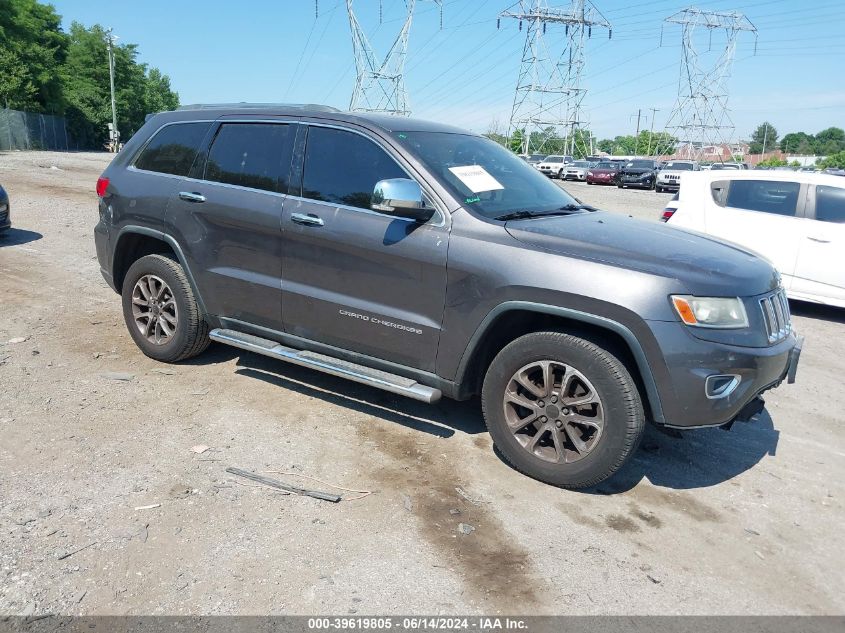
536	157
605	166
553	159
678	166
580	163
483	175
641	164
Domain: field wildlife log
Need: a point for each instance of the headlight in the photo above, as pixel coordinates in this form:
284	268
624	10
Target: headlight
713	312
589	173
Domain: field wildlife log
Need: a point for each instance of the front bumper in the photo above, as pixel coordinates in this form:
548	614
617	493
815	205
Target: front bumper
604	179
636	181
669	184
691	362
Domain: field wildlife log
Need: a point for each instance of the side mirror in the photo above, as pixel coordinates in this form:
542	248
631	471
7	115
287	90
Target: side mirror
401	197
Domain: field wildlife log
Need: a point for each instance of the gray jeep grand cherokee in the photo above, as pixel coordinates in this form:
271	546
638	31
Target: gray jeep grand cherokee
424	260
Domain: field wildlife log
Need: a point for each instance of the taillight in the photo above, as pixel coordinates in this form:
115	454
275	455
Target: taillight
668	212
102	185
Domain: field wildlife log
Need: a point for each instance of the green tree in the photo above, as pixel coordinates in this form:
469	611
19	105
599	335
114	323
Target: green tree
85	76
772	162
798	143
836	161
33	49
764	138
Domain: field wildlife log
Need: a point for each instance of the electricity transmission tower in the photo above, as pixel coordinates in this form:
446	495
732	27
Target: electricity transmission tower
549	91
701	117
380	84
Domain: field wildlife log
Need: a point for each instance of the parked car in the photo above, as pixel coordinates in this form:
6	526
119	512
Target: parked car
553	165
725	166
603	173
795	219
670	208
533	159
640	172
536	159
424	260
834	171
5	211
669	174
577	170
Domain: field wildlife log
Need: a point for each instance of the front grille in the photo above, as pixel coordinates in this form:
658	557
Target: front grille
776	317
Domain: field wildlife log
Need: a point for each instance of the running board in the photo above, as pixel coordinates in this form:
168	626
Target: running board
329	365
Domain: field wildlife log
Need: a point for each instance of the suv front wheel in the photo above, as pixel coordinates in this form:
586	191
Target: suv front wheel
562	409
161	312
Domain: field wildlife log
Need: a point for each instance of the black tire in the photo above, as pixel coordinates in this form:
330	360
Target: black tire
624	419
190	336
621	186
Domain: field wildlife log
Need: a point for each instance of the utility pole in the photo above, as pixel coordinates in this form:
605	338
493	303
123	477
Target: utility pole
654	111
637	135
549	90
115	134
701	117
765	138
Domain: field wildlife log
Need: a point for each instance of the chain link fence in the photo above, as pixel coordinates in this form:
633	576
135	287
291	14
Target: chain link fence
27	130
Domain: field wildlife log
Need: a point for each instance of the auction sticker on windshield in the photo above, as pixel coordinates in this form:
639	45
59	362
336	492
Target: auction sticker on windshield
476	178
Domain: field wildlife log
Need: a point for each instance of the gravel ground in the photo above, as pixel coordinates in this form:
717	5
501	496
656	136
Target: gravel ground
105	509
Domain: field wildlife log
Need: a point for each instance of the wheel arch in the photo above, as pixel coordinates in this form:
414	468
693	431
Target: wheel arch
510	320
135	242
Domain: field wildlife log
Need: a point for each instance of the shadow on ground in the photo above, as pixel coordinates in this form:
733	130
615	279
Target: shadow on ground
698	459
441	419
817	311
15	237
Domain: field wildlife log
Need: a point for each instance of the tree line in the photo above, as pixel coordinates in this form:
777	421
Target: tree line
645	144
829	143
47	70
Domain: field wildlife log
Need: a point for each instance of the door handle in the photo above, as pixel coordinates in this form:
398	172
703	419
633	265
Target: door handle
819	240
309	219
191	196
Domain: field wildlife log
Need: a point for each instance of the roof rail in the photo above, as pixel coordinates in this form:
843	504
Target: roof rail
257	106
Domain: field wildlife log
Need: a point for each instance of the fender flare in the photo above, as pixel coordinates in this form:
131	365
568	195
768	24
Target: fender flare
170	241
576	315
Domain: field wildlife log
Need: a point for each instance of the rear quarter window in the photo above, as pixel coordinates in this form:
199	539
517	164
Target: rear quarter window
766	196
830	204
173	149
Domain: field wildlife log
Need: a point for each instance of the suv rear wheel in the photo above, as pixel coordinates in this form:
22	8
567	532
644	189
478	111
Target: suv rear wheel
161	312
562	409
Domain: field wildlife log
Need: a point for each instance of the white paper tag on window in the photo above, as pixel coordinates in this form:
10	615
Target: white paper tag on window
476	178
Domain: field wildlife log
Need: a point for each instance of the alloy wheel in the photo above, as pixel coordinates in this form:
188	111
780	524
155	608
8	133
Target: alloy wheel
154	309
553	411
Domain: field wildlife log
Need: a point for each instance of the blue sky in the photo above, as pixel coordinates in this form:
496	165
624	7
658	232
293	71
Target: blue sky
464	74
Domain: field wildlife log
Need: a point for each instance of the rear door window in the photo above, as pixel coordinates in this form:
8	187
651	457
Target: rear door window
830	204
343	167
254	155
173	149
766	196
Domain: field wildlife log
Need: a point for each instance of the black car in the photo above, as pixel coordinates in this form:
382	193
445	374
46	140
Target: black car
639	172
5	214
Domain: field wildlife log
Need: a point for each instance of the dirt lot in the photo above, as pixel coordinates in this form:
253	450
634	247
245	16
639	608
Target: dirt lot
741	522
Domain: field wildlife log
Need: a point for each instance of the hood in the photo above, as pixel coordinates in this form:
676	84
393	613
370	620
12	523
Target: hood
638	170
704	265
603	170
